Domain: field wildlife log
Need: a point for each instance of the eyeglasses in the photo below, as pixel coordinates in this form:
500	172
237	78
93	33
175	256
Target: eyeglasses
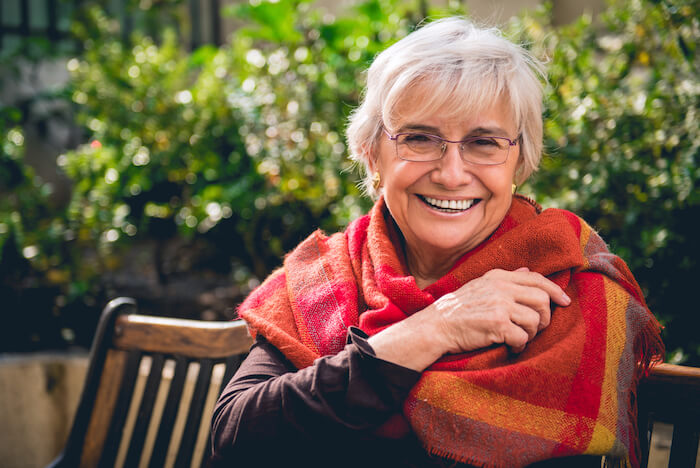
424	147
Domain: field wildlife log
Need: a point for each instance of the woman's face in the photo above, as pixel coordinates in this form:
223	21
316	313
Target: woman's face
411	188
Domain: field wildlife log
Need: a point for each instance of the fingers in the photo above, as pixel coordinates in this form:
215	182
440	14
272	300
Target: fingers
527	278
530	289
533	294
535	299
527	319
516	338
515	328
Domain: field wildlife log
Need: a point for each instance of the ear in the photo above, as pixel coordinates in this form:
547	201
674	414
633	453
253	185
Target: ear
519	168
517	175
370	156
520	165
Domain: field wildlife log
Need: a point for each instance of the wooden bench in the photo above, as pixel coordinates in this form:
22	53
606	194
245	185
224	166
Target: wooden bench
671	395
152	383
161	419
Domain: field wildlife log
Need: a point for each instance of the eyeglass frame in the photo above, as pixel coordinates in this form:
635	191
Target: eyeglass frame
394	138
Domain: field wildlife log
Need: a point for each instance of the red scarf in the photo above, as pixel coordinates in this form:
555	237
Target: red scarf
568	393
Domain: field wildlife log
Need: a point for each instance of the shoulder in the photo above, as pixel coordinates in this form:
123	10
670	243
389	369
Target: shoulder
580	227
319	241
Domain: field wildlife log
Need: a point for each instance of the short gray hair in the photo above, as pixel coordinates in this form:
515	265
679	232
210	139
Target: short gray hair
465	66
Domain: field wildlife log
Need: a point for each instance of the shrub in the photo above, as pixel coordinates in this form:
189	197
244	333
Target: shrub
42	280
237	152
622	134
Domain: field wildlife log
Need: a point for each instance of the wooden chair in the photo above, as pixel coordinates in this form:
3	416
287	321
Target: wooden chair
671	395
164	418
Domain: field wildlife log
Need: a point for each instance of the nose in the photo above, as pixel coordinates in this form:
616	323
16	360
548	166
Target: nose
451	171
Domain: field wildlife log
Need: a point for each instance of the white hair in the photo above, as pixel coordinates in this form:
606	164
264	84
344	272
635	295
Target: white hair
465	68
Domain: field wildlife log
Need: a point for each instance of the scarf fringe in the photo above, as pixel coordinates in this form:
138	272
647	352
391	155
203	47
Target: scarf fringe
649	351
609	462
649	348
448	455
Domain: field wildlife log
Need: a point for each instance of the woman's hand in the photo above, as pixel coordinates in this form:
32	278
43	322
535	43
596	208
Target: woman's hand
507	307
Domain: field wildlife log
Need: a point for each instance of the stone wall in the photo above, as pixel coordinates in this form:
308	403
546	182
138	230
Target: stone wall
39	395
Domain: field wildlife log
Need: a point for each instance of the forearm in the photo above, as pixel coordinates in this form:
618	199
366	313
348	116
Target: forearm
268	400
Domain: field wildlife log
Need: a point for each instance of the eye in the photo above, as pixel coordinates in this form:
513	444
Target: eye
484	141
418	138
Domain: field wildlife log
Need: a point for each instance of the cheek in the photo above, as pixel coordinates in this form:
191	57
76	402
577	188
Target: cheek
399	175
499	184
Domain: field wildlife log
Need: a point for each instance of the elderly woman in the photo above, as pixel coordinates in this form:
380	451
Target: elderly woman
456	323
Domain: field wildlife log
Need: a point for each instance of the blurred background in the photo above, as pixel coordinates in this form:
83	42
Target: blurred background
174	150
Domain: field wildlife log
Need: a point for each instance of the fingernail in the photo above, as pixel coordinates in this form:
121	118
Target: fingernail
566	298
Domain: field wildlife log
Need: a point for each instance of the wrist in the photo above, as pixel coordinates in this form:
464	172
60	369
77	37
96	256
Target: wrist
436	320
415	342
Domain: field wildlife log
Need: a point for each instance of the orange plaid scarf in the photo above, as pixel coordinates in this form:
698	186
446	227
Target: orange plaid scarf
568	393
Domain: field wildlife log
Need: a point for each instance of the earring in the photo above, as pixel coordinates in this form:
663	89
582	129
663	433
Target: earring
513	188
376	180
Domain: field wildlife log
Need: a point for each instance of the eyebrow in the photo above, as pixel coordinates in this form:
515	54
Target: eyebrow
419	128
495	131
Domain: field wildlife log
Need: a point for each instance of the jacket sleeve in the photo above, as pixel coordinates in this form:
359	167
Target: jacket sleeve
268	401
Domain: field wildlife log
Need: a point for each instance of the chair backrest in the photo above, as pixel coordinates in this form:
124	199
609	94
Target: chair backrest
152	383
671	395
150	389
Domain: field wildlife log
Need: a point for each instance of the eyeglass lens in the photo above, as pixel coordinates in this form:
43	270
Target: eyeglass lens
425	147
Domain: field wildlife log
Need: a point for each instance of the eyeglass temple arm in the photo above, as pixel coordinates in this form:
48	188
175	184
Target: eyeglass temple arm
393	138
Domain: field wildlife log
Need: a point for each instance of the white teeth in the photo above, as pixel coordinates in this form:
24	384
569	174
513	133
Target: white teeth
450	204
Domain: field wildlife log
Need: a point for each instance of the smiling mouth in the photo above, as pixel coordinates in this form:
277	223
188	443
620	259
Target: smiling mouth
449	206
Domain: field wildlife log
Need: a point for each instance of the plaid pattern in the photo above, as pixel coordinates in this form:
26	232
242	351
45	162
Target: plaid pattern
568	393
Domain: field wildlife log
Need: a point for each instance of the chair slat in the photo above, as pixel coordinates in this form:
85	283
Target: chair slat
167	421
138	435
121	409
232	365
194	415
645	428
105	401
684	445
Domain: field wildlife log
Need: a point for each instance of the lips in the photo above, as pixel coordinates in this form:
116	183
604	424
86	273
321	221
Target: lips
451	206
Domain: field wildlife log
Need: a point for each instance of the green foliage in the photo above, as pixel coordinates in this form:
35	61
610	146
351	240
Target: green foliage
15	177
166	156
300	70
241	147
245	140
38	267
28	229
622	137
